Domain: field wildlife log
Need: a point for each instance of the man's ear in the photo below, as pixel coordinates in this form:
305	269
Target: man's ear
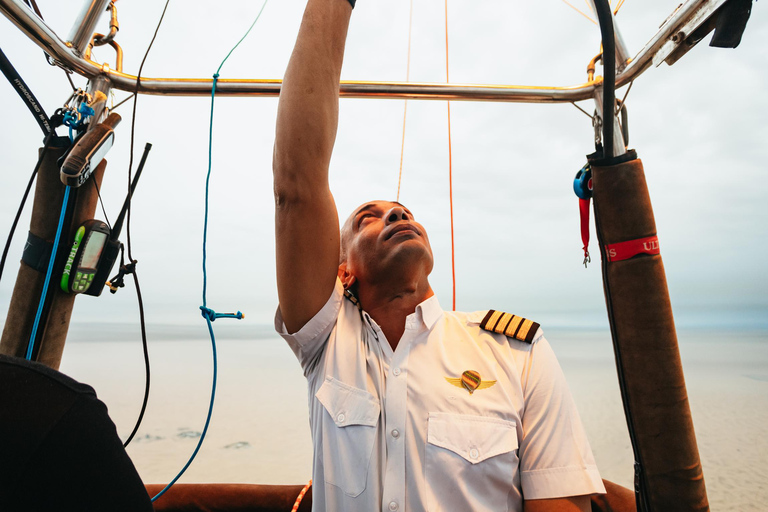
345	277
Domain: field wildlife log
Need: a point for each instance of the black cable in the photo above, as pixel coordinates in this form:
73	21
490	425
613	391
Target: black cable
33	5
46	145
128	234
603	11
26	95
133	125
146	355
121	102
104	211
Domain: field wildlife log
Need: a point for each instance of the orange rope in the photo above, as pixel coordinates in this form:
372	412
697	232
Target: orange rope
450	162
578	11
301	496
405	104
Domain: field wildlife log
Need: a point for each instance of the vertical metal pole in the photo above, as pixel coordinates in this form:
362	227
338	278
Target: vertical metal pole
85	23
99	84
619	146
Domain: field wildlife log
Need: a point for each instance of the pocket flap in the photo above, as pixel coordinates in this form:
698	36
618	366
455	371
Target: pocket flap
348	405
475	438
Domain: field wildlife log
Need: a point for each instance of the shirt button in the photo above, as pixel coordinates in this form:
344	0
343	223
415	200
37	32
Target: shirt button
393	506
473	453
396	372
395	433
340	418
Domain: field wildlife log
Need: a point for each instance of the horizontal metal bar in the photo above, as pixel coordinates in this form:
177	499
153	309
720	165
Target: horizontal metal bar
43	36
361	89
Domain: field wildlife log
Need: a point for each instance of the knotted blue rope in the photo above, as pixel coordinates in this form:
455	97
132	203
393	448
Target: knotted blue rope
209	314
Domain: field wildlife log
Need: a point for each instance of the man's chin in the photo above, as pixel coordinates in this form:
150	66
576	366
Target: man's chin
408	254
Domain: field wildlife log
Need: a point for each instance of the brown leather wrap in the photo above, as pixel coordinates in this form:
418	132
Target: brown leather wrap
645	343
229	498
49	193
280	498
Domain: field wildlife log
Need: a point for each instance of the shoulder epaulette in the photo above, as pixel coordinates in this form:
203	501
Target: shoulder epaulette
510	325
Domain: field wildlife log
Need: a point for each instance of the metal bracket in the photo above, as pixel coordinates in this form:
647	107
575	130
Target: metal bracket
110	42
685	37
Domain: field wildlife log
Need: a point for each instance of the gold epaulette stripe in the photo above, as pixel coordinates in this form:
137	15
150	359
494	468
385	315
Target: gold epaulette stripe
492	319
510	325
511	330
525	328
501	325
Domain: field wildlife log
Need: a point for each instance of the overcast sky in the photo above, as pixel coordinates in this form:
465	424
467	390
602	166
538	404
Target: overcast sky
699	127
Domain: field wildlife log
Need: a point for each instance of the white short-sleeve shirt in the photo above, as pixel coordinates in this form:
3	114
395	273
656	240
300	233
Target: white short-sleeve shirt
396	431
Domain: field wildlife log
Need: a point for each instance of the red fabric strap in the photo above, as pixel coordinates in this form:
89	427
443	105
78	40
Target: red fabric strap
625	250
584	217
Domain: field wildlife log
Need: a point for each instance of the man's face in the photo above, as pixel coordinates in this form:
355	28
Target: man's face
380	238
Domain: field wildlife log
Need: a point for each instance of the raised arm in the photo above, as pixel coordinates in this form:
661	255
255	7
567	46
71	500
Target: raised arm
572	504
306	221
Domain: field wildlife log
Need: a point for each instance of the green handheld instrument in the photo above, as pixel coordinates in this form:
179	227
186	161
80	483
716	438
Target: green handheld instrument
84	257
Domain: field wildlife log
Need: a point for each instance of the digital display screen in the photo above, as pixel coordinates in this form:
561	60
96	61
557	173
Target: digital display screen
93	247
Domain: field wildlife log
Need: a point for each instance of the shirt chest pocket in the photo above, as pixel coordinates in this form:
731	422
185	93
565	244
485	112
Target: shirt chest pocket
348	434
471	462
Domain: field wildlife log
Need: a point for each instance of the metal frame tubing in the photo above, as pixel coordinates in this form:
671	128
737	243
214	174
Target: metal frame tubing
43	36
85	23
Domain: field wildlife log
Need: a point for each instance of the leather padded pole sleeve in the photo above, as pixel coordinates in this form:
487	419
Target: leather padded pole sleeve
280	498
645	343
49	193
229	498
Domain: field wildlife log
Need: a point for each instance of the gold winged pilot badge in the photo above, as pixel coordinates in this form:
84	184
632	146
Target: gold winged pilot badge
471	381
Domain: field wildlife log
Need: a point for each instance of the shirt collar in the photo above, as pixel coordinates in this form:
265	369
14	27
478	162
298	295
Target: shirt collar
429	311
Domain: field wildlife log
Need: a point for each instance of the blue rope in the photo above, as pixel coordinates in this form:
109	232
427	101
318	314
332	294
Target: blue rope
209	314
35	325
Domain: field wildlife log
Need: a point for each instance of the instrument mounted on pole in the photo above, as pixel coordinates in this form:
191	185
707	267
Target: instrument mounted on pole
88	152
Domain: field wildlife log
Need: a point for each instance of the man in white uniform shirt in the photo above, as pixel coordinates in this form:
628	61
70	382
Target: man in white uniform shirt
412	408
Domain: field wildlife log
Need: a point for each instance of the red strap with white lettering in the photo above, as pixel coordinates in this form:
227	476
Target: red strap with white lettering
584	215
625	250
